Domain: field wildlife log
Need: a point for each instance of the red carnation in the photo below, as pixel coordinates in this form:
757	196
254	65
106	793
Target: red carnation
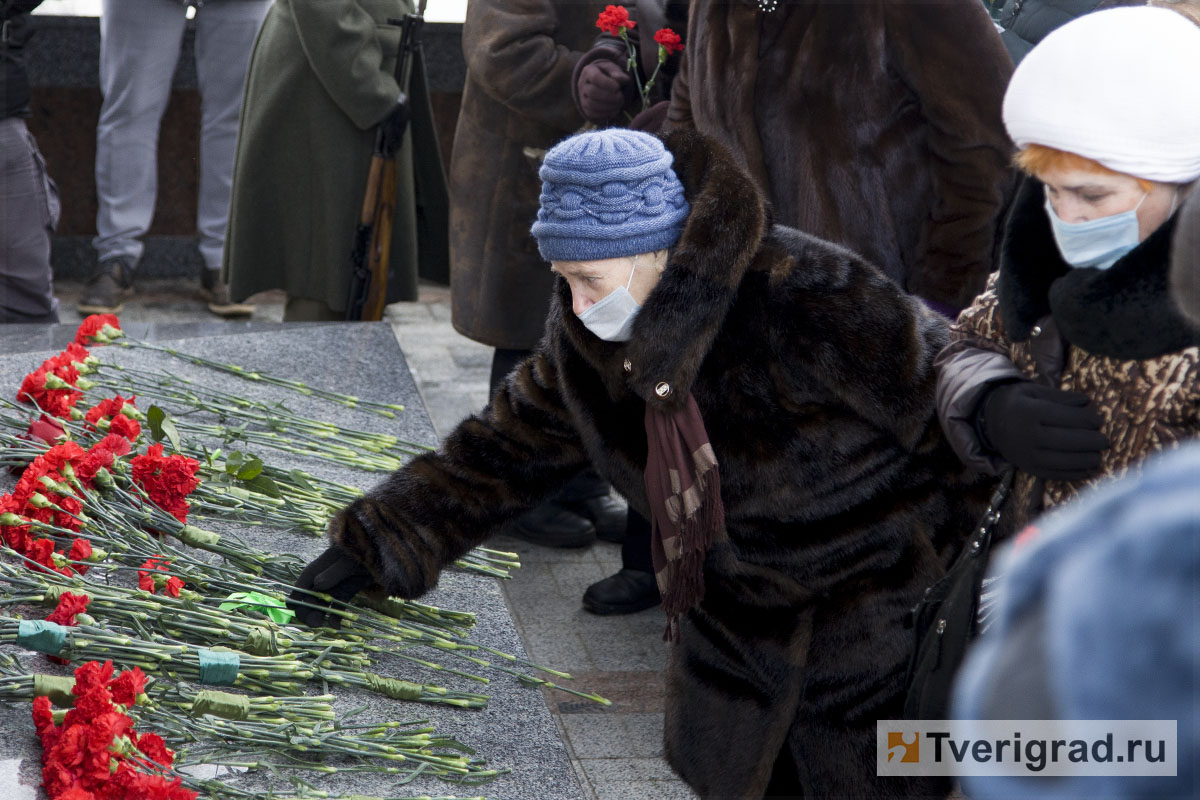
91	676
76	793
91	326
58	778
107	407
166	479
88	707
124	426
63	365
69	751
114	443
75	352
55	402
43	722
111	409
669	40
154	748
127	783
68	606
40	553
15	536
149	579
126	687
90	757
614	20
81	550
100	456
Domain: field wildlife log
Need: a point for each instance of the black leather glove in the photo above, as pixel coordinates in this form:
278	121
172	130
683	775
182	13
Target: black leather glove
336	573
393	126
602	90
1041	430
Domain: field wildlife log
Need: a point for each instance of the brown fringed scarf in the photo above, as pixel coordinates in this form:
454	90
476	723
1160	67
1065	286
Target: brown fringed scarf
684	488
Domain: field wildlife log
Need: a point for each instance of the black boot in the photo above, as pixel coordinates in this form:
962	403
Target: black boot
553	525
624	593
588	495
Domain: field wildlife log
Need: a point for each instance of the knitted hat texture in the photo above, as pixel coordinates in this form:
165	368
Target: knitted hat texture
1117	86
608	194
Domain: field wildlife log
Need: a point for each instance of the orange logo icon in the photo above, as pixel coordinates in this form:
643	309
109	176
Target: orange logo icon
908	749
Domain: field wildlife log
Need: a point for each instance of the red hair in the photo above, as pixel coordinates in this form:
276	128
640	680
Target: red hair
1037	159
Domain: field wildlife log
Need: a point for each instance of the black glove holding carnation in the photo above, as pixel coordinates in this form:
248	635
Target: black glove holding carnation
603	89
374	547
335	573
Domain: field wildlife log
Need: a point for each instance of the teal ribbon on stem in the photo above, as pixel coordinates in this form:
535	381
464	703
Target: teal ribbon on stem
42	636
218	667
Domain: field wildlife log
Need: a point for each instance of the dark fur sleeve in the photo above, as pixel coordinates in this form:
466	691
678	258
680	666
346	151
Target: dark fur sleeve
679	113
846	324
1185	260
493	466
949	55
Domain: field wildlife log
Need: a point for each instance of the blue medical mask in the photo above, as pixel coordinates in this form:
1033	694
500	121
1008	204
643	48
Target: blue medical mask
1097	243
612	317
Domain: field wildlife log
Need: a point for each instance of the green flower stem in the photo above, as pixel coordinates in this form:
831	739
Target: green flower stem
438	667
631	64
350	401
163	387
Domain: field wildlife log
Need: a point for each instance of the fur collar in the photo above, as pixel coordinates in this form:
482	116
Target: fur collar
675	329
1124	312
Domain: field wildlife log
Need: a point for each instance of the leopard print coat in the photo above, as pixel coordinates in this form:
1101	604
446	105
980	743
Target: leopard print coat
1113	334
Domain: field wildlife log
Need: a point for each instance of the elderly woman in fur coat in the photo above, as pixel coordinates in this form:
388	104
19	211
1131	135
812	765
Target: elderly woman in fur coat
1075	364
767	399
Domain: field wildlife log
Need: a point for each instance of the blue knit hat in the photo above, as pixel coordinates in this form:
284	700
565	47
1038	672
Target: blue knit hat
608	194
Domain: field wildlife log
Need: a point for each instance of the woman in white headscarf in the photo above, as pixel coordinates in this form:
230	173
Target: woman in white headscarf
1074	364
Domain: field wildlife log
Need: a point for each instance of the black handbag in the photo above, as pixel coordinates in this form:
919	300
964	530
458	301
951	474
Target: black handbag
945	621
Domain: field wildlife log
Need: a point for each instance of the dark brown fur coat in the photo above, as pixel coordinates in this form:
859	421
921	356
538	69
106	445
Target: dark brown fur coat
873	124
813	373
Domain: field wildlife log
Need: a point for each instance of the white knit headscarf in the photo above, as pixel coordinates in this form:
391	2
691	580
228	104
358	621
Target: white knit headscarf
1121	87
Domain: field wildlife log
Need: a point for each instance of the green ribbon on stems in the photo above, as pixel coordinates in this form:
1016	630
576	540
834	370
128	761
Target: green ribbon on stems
222	704
41	635
167	620
221	727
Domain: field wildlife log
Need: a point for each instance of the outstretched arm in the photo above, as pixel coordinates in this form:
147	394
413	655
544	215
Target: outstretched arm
493	466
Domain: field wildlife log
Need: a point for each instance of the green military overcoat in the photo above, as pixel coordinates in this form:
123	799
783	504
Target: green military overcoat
321	78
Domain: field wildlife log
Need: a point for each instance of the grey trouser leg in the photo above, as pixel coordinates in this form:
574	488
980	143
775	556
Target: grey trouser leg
28	213
139	47
225	33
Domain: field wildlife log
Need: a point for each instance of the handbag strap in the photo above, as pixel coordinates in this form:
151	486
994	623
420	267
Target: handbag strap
991	518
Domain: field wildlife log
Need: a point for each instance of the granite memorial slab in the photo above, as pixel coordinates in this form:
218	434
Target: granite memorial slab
514	732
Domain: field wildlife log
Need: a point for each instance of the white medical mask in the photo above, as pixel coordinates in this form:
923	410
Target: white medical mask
611	318
1097	243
